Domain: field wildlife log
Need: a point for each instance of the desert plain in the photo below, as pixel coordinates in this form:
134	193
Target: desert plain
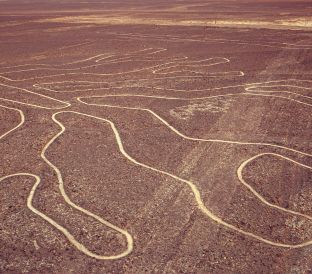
155	136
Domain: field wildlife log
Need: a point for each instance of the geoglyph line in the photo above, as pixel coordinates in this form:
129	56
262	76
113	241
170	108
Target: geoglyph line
190	184
172	38
65	232
257	194
57	226
66	104
251	89
155	69
163	121
95	58
22	120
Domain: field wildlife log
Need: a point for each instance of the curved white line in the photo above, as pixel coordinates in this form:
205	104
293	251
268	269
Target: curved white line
256	194
80	99
35	93
190	184
22	121
63	230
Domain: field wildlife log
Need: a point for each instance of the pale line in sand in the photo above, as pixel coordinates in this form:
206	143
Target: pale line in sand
189	183
248	87
156	69
277	86
76	45
116	61
80	83
80	99
80	247
22	121
255	89
256	84
114	82
32	92
277	96
170	38
219	96
192	186
207	140
96	59
52	65
257	194
62	229
210	75
252	87
237	73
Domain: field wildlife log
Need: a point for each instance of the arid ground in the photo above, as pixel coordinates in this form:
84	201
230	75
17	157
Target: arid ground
155	136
